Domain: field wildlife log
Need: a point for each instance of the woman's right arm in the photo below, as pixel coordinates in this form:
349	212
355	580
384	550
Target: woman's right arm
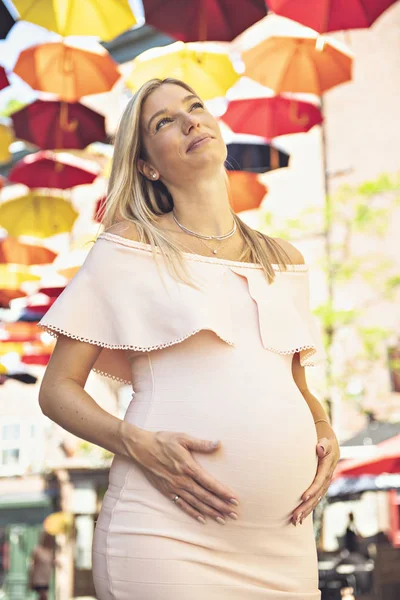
63	399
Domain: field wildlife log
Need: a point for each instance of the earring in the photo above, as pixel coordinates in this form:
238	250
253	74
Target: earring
154	175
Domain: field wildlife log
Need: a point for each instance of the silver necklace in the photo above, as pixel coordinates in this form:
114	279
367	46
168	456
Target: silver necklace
214	250
206	237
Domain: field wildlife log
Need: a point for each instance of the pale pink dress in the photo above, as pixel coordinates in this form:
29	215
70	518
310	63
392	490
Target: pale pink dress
215	363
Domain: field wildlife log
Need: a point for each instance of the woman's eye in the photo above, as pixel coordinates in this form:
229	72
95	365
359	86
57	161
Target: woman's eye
197	105
160	123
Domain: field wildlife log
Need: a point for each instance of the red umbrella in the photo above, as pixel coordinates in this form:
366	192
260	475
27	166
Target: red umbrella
3	79
53	124
331	15
201	20
271	117
47	169
386	460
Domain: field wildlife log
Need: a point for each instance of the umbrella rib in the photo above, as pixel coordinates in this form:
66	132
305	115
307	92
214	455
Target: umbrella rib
225	17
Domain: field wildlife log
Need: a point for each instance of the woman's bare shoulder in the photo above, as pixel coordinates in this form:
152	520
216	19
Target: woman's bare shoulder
126	229
293	253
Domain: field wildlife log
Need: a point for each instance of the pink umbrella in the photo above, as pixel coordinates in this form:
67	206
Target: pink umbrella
47	169
331	15
3	79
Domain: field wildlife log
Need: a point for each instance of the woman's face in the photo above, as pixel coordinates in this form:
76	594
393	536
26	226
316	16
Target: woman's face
180	136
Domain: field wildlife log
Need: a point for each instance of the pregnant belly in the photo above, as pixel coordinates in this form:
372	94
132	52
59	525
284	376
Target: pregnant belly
268	438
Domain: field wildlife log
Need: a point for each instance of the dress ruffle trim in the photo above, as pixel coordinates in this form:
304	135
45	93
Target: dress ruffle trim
117	301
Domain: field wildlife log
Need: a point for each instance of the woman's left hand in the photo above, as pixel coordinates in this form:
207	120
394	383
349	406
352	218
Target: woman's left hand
328	455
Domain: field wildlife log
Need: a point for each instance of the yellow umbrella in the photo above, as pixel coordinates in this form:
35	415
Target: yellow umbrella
37	216
58	522
12	276
302	63
6	138
206	67
103	18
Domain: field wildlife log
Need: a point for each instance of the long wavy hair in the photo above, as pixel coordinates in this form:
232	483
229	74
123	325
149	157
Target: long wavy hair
133	197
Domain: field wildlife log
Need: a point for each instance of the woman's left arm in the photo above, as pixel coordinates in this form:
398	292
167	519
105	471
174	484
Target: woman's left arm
327	448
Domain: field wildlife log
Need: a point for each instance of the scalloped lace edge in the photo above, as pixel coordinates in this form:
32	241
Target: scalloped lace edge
56	331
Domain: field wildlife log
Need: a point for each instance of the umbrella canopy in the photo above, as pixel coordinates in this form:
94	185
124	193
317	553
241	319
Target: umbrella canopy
6	21
346	487
3	79
37	216
6	138
13	251
202	20
299	64
12	276
67	71
385	460
331	15
256	156
53	124
103	18
20	332
246	192
271	117
7	295
205	67
51	170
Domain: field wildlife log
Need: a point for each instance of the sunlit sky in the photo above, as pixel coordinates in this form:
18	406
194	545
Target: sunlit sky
23	35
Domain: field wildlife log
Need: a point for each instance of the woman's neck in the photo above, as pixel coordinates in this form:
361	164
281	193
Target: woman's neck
205	208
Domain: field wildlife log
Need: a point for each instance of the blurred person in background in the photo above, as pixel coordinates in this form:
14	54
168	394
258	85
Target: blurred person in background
42	564
223	453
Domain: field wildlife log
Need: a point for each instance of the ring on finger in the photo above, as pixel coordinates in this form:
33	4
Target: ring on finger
175	499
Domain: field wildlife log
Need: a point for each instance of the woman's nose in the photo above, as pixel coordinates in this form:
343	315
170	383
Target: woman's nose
190	122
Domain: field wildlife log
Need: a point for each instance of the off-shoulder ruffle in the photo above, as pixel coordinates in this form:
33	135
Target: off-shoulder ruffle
118	302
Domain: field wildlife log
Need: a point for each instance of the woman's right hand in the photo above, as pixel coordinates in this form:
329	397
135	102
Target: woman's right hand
166	460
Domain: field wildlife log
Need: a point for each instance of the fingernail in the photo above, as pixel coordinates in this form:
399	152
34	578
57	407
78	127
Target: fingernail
307	498
233	501
202	520
298	517
220	520
323	447
233	515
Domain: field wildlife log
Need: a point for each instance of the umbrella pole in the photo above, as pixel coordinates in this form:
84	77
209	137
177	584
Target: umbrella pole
329	331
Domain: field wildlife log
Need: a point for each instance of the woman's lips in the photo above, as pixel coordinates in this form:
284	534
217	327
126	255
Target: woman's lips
200	143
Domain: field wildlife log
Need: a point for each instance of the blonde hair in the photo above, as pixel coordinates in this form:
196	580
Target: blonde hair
132	197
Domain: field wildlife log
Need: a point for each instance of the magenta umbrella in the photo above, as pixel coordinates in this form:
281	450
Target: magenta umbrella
201	20
331	15
271	117
47	169
55	125
3	79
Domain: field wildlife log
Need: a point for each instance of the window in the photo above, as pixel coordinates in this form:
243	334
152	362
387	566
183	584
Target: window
22	446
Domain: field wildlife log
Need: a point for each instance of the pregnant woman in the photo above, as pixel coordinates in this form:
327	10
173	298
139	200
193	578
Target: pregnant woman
223	452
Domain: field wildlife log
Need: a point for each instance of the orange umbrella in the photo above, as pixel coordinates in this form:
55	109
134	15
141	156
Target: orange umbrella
246	191
20	332
70	72
13	251
300	63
